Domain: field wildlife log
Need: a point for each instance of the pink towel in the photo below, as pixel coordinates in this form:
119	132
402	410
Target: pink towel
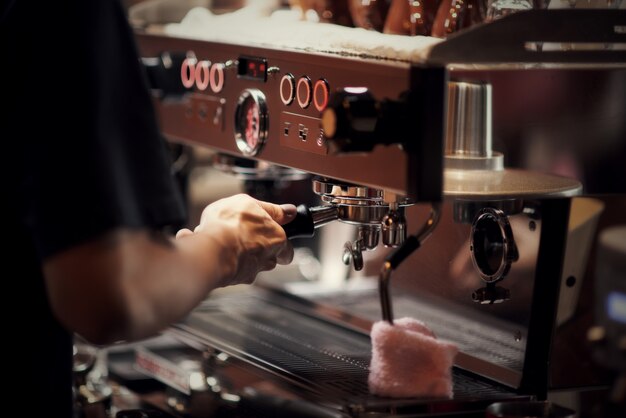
408	360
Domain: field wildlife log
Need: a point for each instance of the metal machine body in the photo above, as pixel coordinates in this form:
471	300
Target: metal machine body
494	273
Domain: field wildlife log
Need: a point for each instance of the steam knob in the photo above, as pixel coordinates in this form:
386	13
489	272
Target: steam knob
164	72
350	119
355	121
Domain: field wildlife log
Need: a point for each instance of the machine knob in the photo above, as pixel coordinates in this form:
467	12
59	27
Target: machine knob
164	73
355	121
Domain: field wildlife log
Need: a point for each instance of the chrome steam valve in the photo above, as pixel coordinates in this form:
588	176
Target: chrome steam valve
393	226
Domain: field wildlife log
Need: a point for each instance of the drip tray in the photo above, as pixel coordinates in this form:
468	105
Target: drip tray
290	339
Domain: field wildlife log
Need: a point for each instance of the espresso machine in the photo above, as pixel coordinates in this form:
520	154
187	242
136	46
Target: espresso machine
445	167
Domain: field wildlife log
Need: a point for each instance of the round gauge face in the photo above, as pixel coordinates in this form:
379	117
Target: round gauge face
251	122
493	247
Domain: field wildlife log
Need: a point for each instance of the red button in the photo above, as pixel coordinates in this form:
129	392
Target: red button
304	92
188	72
202	75
217	77
321	93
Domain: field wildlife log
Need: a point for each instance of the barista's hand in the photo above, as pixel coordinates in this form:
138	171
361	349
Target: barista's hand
249	235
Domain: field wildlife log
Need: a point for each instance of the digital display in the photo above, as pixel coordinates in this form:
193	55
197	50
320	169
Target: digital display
254	68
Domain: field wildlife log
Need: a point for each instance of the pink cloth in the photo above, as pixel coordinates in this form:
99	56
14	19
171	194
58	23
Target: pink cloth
408	360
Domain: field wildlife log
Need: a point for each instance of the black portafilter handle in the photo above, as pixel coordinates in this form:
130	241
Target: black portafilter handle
308	219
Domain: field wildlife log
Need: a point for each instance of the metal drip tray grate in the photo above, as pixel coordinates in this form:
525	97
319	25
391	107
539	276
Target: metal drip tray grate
293	342
307	351
482	336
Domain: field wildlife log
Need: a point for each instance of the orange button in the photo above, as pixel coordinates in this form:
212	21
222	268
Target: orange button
217	77
321	93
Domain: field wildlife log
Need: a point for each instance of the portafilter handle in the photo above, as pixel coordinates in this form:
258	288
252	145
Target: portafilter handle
308	219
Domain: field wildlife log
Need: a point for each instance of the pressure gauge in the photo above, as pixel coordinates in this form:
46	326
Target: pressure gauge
251	122
492	245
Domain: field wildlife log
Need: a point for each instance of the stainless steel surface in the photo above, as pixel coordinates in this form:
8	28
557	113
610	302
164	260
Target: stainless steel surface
323	215
465	210
353	253
367	240
358	205
368	209
493	246
472	168
559	107
182	121
469	120
547	117
362	215
299	341
369	236
507	184
251	122
337	192
393	227
469	142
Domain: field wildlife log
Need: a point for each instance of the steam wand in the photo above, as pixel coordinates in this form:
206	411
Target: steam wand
393	260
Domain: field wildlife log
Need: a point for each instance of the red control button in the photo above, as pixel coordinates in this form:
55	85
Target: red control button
217	77
304	91
321	92
287	89
202	75
188	72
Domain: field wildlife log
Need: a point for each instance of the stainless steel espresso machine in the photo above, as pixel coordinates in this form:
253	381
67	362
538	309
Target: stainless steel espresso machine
475	178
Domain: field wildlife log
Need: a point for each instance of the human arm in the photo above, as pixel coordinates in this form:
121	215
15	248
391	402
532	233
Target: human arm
130	284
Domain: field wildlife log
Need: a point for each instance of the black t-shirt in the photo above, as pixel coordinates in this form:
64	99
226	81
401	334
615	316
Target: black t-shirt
82	155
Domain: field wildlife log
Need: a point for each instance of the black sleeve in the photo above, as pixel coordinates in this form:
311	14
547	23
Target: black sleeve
91	158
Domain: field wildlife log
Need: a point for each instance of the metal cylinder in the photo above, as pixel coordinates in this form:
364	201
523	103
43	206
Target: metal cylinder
369	236
393	226
468	130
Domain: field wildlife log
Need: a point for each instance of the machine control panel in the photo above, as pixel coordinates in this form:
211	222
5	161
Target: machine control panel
268	104
299	122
